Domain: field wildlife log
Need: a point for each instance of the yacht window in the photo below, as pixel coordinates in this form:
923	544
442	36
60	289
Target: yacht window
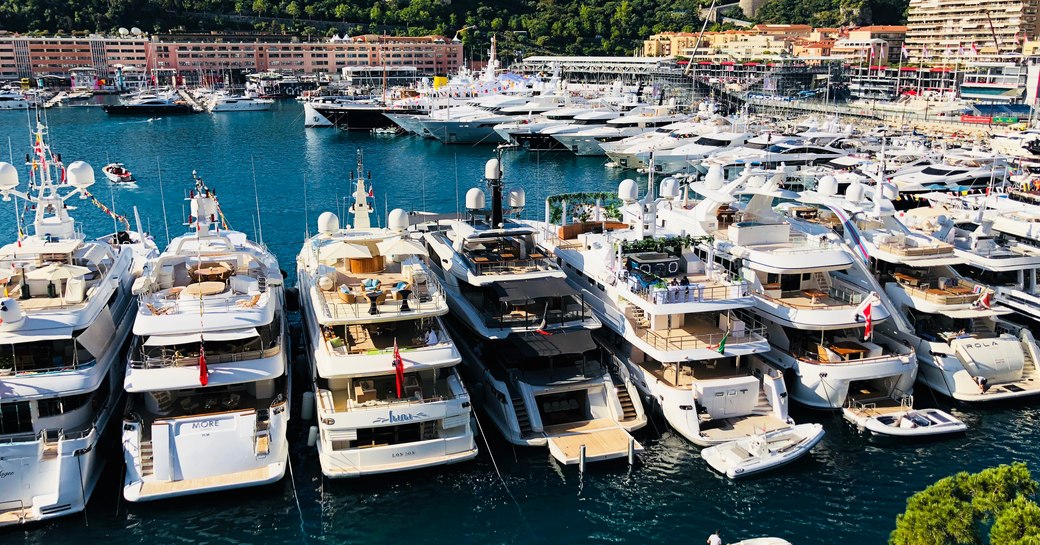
58	405
43	355
15	417
933	171
714	142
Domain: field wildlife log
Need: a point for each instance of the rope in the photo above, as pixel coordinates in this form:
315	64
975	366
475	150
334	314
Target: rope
118	217
296	497
497	471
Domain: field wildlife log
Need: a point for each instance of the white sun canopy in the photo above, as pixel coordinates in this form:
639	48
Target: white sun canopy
185	338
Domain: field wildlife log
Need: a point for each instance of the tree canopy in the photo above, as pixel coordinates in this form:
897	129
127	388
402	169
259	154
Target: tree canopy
958	510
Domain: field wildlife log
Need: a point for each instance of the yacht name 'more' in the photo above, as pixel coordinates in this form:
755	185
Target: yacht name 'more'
406	417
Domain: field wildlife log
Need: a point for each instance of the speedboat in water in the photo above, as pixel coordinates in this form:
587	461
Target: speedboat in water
117	173
224	102
165	103
763	452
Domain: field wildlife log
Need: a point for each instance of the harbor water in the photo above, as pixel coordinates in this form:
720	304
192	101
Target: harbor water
848	491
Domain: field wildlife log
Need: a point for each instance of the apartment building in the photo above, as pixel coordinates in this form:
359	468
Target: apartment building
997	28
27	57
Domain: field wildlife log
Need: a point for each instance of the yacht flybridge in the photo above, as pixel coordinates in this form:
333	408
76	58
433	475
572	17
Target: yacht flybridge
388	395
65	312
820	307
207	372
525	334
680	327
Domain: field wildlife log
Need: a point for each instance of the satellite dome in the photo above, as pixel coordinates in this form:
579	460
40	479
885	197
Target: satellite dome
80	175
714	178
493	170
8	176
854	193
827	186
669	188
328	223
11	315
475	198
397	221
517	198
628	191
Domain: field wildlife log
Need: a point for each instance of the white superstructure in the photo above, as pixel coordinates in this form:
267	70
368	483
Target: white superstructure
65	313
815	299
207	372
225	102
388	395
681	327
525	334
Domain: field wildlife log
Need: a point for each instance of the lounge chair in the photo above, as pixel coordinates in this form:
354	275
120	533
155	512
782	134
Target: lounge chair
159	311
250	303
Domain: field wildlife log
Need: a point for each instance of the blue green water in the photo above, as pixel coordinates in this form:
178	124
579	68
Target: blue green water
848	492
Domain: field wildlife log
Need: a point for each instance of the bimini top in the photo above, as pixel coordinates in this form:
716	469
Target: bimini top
517	291
537	345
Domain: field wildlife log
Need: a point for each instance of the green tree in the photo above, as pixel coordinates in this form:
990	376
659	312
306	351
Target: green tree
956	510
293	9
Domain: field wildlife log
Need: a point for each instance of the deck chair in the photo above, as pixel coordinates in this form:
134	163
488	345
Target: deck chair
159	311
250	303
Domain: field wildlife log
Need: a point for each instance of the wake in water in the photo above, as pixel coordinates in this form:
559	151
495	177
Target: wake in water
127	185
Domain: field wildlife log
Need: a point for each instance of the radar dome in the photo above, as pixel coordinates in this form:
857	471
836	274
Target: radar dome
714	178
397	221
80	175
669	188
328	223
889	191
8	176
628	191
854	193
475	198
517	198
11	315
827	186
493	170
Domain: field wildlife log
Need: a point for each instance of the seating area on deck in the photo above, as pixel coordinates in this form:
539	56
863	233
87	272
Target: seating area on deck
938	289
504	255
63	276
345	394
689	374
237	278
204	401
371	286
343	340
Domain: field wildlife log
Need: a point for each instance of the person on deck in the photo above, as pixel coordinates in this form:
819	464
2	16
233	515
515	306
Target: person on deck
714	539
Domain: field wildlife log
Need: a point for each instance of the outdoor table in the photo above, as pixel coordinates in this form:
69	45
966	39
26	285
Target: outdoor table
373	296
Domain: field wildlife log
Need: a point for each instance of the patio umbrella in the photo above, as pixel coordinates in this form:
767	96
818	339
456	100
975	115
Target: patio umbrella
57	271
343	250
400	246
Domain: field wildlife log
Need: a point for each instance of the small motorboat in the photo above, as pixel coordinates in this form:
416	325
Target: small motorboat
763	541
117	173
762	452
886	417
384	131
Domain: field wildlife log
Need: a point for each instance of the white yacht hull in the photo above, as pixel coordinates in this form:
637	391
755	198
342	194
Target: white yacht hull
464	132
14	105
199	454
243	106
313	119
826	385
48	477
451	417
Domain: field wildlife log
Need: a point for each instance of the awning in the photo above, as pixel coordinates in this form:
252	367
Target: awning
225	335
519	291
34	334
536	345
976	313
